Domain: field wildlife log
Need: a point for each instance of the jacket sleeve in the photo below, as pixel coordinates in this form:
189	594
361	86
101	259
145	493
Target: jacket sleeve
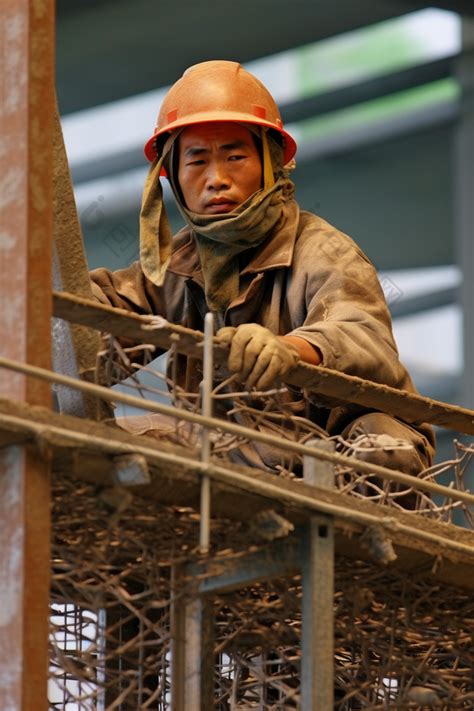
346	317
128	289
344	313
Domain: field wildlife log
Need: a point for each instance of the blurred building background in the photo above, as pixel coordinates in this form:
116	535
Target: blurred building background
380	97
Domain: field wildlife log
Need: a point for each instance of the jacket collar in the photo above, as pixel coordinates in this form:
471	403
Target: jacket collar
275	252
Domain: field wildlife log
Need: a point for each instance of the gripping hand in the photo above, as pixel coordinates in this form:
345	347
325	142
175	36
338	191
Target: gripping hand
257	355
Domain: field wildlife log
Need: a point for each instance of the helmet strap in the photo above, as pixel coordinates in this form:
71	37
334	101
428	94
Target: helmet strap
155	230
268	176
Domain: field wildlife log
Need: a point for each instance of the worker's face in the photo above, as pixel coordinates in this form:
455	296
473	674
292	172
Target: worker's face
219	167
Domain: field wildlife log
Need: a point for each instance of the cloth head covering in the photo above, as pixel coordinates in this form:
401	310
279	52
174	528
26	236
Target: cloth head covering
220	239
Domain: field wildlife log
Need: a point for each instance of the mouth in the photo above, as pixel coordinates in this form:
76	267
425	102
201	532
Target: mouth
220	205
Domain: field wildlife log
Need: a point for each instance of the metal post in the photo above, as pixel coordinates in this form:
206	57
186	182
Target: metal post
317	654
464	210
26	100
192	618
178	642
192	651
464	204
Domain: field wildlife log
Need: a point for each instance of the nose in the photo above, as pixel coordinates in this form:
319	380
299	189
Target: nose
217	176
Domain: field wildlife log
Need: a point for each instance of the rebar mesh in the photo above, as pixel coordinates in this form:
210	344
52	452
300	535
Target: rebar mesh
113	557
401	641
399	638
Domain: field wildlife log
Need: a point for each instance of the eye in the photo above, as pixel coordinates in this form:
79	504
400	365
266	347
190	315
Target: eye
237	156
198	161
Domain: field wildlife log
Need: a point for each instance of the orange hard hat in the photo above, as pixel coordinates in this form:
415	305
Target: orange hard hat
218	91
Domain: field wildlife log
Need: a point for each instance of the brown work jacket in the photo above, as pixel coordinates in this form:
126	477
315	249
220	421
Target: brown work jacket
306	279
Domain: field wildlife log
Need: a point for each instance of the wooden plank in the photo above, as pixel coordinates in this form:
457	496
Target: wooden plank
333	388
111	395
142	329
81	435
64	432
26	94
240	492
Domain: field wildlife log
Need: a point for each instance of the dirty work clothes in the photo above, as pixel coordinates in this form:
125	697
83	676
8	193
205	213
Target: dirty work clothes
306	279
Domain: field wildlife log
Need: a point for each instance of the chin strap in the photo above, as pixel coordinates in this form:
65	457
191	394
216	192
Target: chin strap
268	176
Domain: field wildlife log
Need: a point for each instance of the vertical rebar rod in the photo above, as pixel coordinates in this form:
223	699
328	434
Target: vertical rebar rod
206	392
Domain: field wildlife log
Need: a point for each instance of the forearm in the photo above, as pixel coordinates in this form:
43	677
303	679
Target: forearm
308	353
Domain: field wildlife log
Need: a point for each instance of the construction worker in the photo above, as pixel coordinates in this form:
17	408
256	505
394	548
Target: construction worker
284	285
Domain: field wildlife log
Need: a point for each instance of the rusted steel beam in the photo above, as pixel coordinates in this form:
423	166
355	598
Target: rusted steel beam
26	93
335	388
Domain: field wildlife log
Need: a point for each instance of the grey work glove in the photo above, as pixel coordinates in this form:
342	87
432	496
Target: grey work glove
257	355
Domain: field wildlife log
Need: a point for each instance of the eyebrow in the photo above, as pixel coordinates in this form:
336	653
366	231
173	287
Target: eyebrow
196	150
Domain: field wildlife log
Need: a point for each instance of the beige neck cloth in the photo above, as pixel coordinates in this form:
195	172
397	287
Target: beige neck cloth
219	238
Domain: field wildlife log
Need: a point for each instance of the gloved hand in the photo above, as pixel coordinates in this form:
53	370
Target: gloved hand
257	355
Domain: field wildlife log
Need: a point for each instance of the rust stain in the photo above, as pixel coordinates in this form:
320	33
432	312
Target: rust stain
26	91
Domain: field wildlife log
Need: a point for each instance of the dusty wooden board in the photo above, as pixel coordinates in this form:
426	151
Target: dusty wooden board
144	329
179	485
333	388
113	396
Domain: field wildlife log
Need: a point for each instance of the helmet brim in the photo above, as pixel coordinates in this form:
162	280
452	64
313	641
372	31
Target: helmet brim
289	143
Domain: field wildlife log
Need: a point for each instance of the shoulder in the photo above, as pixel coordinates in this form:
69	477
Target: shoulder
319	238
